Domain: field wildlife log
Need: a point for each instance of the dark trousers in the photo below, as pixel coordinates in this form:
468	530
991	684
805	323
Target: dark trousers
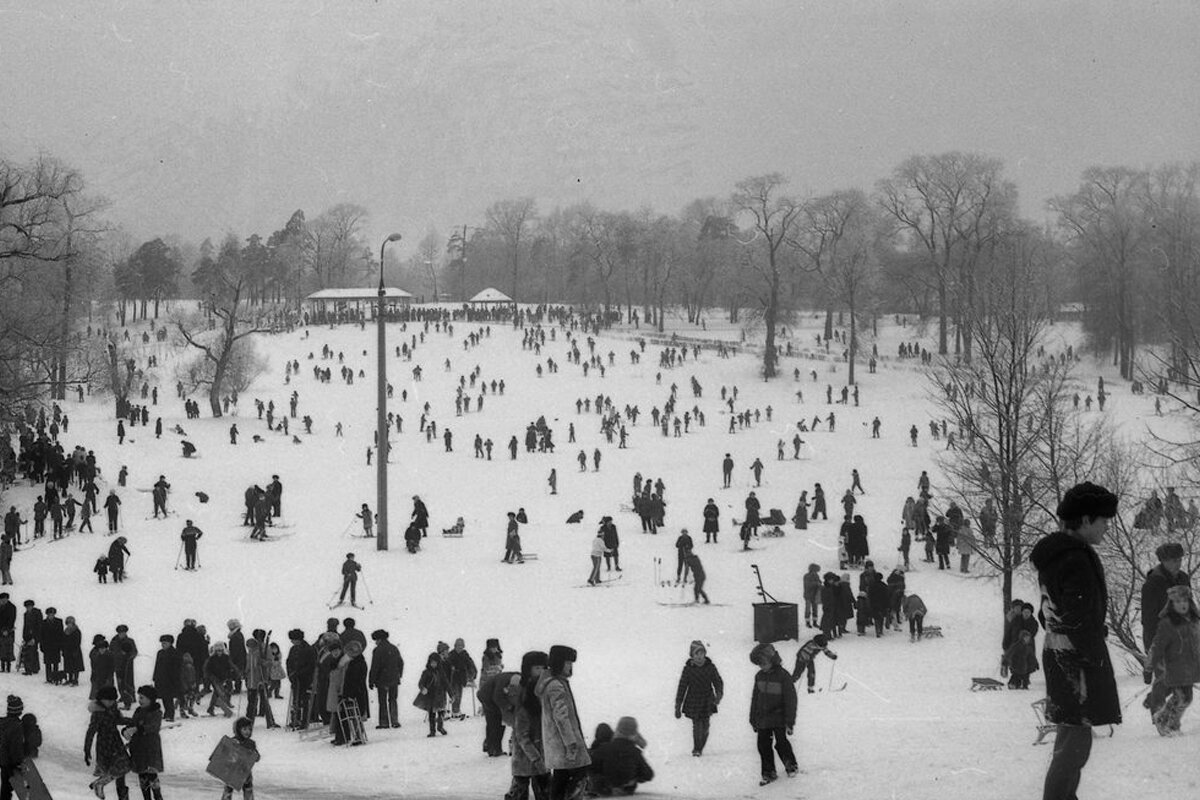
301	699
943	560
148	783
782	746
190	556
698	591
564	783
389	716
521	784
258	704
1072	747
810	608
6	789
493	736
681	567
700	733
613	559
916	625
349	585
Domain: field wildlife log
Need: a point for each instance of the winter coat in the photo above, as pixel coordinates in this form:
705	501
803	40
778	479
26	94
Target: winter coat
387	667
505	695
256	666
845	602
462	668
302	663
752	509
1154	598
711	516
611	539
111	758
432	685
1080	686
561	731
528	757
944	537
237	649
965	542
700	689
856	543
145	746
693	562
166	672
124	650
880	596
1175	655
914	606
191	641
103	671
50	639
7	649
12	742
819	502
337	678
1021	658
624	764
72	652
218	668
354	685
116	554
812	586
773	701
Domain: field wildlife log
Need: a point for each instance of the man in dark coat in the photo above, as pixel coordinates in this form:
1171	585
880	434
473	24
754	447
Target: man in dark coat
387	668
237	652
50	641
420	516
711	521
190	538
301	668
275	496
191	641
167	680
124	650
1080	687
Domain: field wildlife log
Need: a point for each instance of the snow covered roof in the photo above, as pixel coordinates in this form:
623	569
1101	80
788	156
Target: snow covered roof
360	293
490	295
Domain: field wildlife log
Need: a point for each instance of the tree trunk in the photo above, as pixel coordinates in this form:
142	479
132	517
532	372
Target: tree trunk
214	390
828	322
942	311
853	338
769	318
59	391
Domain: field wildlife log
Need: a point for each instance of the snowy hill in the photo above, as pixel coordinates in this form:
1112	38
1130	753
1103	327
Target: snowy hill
906	725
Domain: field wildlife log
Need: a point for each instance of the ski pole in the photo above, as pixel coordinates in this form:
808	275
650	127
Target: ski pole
367	589
831	671
179	556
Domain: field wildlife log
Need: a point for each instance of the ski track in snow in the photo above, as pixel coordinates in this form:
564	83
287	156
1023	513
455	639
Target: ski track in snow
907	717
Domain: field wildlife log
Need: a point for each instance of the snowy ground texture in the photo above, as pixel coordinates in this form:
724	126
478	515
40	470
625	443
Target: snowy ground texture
906	726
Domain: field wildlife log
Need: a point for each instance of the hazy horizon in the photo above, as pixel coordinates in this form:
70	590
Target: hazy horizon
196	119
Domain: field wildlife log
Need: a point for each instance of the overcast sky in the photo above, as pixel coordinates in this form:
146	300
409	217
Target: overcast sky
197	118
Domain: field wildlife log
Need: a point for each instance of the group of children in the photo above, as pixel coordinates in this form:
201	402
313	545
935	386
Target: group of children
880	604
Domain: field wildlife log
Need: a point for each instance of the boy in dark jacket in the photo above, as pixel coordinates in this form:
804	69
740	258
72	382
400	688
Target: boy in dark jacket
772	712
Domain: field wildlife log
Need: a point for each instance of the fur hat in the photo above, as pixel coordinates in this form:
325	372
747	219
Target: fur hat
233	624
122	628
148	692
534	658
15	706
494	644
99	641
354	648
378	634
242	722
1179	593
295	635
1168	551
759	650
627	728
559	655
168	638
1087	500
697	645
821	639
442	647
106	693
604	733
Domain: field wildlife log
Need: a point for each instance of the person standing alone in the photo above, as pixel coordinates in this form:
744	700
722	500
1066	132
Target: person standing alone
190	536
1081	690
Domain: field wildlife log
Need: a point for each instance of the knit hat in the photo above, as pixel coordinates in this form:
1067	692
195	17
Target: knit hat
559	655
233	624
697	645
106	693
1168	551
148	692
627	729
821	639
122	628
1087	500
494	644
442	647
15	706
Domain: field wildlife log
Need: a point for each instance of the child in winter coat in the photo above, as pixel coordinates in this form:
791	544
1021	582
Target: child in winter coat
1175	657
101	569
806	658
432	698
1021	660
812	595
368	520
772	712
33	735
862	613
145	743
243	729
597	783
624	765
112	759
8	652
699	692
189	682
275	671
915	611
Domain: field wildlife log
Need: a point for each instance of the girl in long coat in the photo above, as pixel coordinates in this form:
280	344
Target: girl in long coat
699	692
528	758
103	667
145	745
801	517
432	697
831	622
72	651
112	760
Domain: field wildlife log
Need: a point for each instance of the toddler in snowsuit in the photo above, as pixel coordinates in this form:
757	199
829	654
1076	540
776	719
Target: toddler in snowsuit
1020	660
806	658
1174	657
101	569
190	685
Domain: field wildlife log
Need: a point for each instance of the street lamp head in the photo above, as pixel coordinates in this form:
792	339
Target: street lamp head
395	237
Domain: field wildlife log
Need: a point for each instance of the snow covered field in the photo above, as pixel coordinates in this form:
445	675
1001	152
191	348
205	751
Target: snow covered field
905	727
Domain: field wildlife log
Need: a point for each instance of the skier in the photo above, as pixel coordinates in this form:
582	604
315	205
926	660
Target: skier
350	570
191	537
512	541
159	495
757	469
692	562
727	470
598	550
772	712
683	544
698	694
856	482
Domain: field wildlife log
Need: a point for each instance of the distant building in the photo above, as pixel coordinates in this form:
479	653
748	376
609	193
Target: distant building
491	296
335	302
1069	311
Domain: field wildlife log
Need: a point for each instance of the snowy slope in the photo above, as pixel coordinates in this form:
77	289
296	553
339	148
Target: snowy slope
905	727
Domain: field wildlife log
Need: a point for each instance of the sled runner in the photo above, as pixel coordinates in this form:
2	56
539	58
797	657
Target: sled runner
985	685
1044	728
932	632
693	603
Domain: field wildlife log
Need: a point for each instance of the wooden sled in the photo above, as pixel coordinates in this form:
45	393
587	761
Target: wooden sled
451	533
932	632
28	784
1044	728
773	533
985	685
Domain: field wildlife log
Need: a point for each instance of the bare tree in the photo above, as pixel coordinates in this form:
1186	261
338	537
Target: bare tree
772	217
334	248
511	220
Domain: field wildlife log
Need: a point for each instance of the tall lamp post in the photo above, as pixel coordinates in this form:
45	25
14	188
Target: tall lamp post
381	424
